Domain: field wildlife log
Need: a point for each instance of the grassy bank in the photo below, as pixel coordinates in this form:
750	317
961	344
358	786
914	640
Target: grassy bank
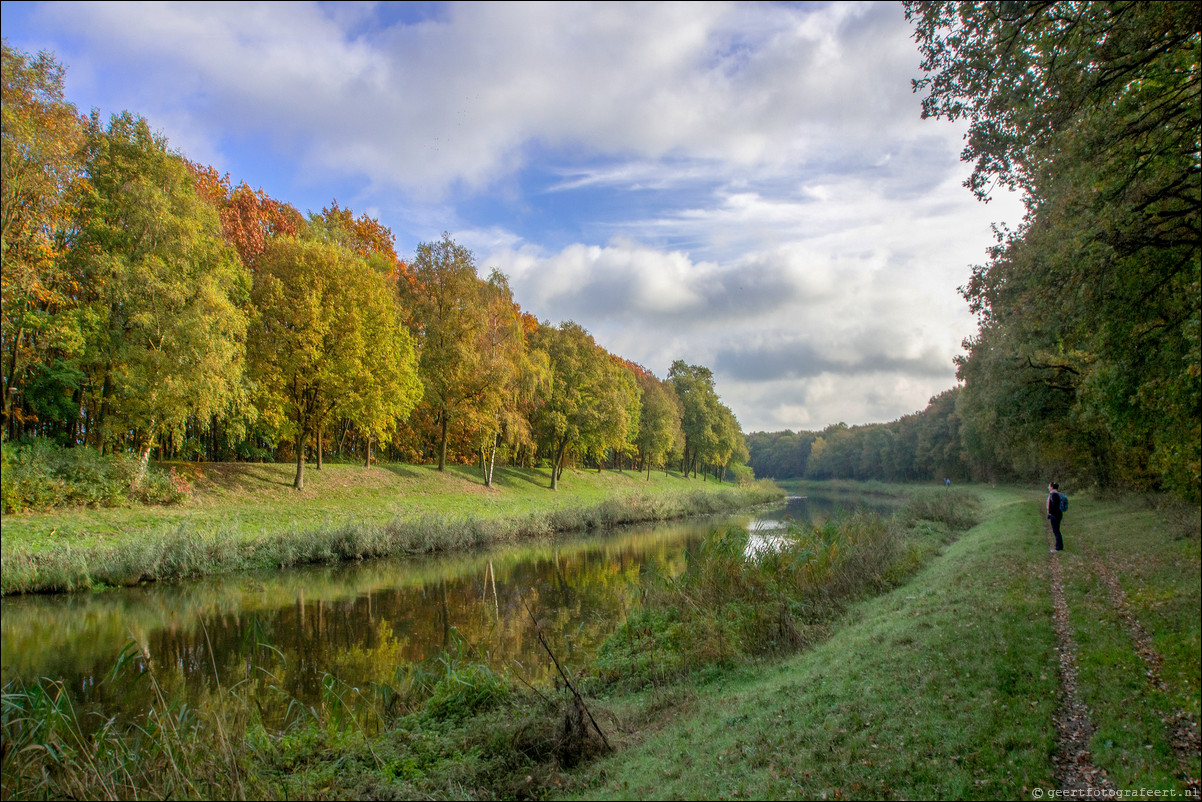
247	516
869	661
947	687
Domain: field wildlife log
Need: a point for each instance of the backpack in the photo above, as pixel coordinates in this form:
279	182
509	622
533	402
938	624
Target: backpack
1063	503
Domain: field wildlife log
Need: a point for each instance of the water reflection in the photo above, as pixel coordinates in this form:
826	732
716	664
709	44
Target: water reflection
766	532
278	635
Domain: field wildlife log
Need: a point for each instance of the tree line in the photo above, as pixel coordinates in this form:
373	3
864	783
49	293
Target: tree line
917	447
151	305
1086	362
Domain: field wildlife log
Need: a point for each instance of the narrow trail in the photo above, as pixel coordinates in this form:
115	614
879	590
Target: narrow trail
1183	730
1075	770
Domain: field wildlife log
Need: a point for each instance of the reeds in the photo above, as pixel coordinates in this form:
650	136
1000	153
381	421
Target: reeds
171	750
188	552
741	598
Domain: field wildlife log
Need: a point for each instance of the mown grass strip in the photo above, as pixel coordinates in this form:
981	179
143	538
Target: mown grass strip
1152	549
943	688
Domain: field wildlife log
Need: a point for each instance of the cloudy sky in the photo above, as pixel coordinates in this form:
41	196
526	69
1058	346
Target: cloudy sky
745	186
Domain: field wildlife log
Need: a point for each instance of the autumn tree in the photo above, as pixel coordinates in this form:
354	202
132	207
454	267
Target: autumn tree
461	344
364	236
694	385
249	218
164	296
584	401
327	339
660	415
41	171
617	411
511	374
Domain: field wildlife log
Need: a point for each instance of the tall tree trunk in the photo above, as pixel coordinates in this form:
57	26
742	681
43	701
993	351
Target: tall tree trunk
492	460
102	413
442	448
299	483
10	381
144	461
342	440
367	462
319	448
556	468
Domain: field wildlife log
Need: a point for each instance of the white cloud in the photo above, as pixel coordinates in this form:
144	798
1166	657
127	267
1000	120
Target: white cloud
845	308
461	100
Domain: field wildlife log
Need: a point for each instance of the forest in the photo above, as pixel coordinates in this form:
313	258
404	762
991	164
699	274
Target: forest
1086	361
154	307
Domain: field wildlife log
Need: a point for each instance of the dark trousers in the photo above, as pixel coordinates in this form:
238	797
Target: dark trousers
1055	519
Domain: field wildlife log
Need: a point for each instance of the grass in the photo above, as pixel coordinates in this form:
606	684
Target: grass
246	516
942	685
947	687
1151	547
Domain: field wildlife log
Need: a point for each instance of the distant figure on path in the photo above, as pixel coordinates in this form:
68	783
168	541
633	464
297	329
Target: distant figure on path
947	482
1055	513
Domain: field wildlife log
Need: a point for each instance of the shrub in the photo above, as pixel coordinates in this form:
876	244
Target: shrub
39	475
466	690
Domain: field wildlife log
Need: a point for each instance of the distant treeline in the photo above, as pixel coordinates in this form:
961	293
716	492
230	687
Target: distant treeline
922	446
154	307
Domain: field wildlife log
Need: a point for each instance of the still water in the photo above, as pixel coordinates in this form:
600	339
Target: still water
286	635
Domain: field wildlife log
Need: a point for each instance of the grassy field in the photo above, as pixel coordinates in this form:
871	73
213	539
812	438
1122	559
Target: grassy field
243	515
947	687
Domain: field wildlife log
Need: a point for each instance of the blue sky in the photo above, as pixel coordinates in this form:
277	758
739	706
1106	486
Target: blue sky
745	186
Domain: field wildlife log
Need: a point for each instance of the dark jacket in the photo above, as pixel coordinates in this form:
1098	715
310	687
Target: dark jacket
1054	505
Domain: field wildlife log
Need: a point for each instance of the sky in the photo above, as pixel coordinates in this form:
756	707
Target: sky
745	186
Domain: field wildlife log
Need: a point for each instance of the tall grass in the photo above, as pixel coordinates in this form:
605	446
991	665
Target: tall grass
172	750
189	552
745	596
958	509
420	734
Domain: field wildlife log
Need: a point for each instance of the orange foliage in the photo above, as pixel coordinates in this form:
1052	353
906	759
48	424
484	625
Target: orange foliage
248	217
366	236
634	367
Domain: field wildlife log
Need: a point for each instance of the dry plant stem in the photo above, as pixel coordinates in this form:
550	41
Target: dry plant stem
564	674
1075	770
225	744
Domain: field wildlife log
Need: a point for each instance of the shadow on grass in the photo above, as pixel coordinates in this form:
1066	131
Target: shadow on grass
401	469
515	477
237	477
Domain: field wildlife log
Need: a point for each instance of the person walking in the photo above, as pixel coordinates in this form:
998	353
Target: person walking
1055	513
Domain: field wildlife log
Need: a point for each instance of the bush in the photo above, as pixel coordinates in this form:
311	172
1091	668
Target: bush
465	691
39	475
